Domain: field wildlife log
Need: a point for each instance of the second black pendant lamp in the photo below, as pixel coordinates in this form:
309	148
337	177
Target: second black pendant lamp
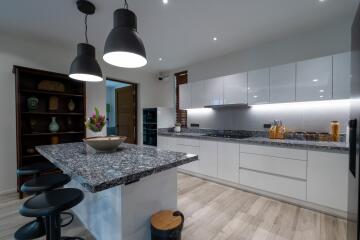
85	67
123	46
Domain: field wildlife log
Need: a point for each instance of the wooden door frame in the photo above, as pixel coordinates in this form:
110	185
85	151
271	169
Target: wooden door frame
135	86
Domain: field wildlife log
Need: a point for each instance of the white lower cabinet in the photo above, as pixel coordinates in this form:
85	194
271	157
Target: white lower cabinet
281	166
327	180
312	176
274	184
228	161
208	156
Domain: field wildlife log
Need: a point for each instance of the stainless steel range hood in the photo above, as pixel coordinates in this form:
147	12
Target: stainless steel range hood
238	105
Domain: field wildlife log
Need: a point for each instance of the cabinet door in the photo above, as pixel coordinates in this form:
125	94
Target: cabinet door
162	142
228	161
258	86
193	166
197	94
184	96
314	79
208	156
282	83
342	75
327	179
213	91
235	88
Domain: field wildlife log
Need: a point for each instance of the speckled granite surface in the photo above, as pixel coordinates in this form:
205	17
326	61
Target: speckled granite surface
100	171
339	147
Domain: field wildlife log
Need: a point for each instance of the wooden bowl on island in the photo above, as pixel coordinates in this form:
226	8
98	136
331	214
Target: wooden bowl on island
105	144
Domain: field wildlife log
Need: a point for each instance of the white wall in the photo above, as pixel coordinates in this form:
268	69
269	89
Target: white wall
325	41
39	54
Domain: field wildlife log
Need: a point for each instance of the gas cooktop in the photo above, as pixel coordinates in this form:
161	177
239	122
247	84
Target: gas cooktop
228	135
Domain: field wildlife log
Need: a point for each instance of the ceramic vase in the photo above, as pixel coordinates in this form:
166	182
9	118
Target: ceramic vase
53	126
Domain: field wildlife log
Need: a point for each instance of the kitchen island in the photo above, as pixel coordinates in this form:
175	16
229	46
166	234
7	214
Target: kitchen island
122	189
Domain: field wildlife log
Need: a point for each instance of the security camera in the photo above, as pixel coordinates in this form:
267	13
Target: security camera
162	76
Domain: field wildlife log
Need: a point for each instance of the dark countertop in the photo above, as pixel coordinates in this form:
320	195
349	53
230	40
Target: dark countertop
339	147
100	171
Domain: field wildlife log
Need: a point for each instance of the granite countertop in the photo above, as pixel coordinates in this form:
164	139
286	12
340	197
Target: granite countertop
339	147
100	171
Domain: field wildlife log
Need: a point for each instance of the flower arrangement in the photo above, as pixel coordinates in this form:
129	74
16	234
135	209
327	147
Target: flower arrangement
96	122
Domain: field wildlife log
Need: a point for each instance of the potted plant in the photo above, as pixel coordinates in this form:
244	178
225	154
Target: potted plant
177	128
96	122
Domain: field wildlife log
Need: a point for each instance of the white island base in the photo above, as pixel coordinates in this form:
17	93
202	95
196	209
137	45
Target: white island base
123	212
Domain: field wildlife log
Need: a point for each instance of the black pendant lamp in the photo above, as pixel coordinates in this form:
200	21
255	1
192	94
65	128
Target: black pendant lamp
85	67
123	46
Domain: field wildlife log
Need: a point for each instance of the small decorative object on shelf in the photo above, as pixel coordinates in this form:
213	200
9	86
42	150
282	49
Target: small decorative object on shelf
96	122
53	103
54	86
32	103
54	140
177	127
53	126
33	124
30	150
71	106
69	123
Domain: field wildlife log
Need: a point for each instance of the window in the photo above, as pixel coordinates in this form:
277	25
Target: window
181	115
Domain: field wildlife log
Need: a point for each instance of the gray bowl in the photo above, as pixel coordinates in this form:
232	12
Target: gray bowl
105	144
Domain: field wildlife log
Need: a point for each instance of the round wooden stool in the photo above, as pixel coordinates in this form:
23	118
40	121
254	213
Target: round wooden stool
167	225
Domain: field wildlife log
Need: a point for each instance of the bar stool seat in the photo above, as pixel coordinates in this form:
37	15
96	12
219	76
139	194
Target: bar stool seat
35	168
50	205
53	202
45	183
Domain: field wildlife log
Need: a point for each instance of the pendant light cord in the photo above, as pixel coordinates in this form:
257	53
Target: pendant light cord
86	29
126	5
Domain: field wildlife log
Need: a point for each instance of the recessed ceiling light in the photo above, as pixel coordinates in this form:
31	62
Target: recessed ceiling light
160	59
321	90
321	96
165	1
322	1
255	96
214	38
315	80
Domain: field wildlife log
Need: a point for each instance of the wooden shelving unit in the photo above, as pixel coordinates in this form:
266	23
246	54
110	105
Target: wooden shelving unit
71	123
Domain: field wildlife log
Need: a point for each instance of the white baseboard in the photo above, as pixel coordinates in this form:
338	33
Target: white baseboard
12	190
300	203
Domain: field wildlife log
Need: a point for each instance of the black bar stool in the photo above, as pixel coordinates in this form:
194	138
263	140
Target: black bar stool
35	169
37	185
50	205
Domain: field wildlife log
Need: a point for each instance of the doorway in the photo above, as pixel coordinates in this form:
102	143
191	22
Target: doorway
121	109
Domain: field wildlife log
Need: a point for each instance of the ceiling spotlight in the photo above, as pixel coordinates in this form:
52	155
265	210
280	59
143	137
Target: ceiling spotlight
165	1
315	80
322	1
214	38
321	96
160	59
321	90
255	96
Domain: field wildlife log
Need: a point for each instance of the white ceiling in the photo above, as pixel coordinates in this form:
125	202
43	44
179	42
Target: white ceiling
180	32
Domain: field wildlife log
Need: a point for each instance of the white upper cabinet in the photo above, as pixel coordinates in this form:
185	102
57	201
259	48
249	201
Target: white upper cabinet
282	83
314	79
184	96
235	88
258	86
198	94
342	75
213	92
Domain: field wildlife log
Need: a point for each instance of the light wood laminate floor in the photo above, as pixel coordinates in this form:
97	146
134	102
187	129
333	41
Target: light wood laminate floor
217	212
